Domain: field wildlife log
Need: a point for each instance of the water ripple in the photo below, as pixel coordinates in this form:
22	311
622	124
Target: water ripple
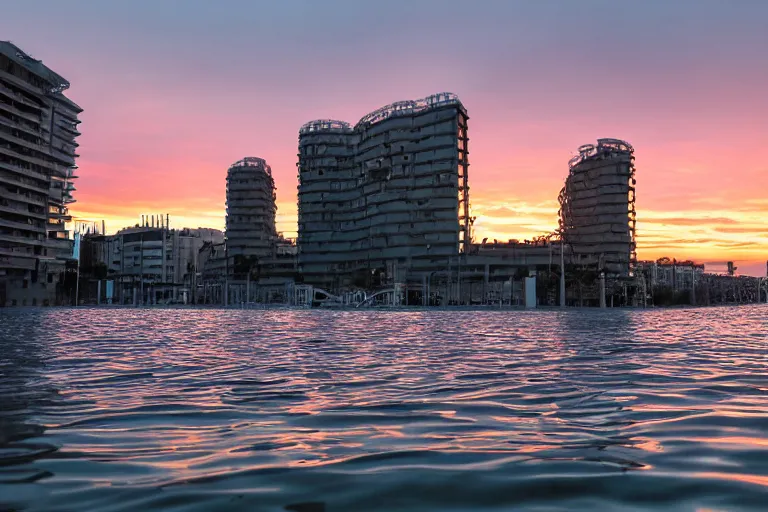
119	409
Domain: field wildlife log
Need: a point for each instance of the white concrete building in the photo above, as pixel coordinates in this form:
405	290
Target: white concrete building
152	264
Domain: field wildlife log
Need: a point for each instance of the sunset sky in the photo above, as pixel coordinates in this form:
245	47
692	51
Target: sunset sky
174	91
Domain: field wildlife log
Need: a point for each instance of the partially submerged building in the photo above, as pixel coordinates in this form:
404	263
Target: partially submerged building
254	252
38	128
672	282
388	196
251	211
385	203
672	274
597	207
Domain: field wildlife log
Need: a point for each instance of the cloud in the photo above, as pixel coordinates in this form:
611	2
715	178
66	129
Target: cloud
757	231
684	221
500	211
736	244
517	228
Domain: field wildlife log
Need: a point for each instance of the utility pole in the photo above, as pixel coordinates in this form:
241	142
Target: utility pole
693	286
141	258
602	289
458	282
562	274
77	279
226	275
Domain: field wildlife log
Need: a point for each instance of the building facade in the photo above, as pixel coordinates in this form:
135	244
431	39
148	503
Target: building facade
388	196
38	128
676	275
597	207
251	212
148	264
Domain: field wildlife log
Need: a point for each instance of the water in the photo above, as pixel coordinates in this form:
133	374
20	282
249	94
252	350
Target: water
189	410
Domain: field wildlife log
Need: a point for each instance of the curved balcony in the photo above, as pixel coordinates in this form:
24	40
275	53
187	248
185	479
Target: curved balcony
252	161
408	107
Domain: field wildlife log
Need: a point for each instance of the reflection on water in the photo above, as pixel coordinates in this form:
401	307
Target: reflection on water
317	410
24	389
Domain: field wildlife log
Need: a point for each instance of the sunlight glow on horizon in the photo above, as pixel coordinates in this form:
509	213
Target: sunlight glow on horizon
165	114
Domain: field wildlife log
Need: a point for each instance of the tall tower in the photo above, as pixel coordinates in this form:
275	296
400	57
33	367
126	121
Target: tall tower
328	192
597	206
251	210
38	128
389	196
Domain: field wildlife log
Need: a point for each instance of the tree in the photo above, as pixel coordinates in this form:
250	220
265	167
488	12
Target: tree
247	266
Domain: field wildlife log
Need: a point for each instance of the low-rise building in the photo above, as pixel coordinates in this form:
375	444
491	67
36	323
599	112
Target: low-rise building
672	274
266	280
148	264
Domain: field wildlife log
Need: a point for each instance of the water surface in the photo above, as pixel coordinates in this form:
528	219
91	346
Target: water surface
199	410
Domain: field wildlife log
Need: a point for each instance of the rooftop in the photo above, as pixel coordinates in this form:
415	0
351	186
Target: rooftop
252	161
325	125
16	54
399	108
587	151
408	107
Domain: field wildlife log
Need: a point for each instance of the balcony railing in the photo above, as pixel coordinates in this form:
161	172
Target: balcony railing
25	198
20	211
25	115
22	226
17	96
23	183
37	239
21	170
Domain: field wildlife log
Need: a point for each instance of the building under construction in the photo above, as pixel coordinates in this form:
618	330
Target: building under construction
597	207
38	128
387	197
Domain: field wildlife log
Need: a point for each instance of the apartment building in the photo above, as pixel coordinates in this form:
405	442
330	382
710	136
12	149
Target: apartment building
38	128
597	207
149	263
388	196
251	211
